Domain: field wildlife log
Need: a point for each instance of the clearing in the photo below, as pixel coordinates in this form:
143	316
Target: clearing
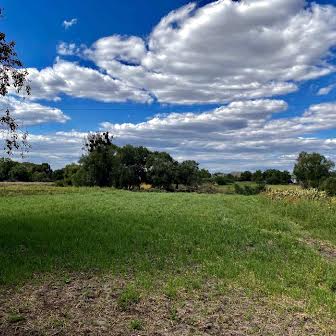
79	261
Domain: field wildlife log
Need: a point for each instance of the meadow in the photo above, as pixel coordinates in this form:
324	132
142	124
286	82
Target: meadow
138	260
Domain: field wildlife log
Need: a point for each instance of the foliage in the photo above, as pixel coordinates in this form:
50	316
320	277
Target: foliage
204	174
161	170
12	77
187	173
258	176
311	168
19	173
221	180
246	176
58	174
274	176
132	171
249	189
99	165
5	166
24	172
70	171
329	186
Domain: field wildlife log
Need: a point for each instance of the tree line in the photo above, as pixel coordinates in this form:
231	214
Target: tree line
105	164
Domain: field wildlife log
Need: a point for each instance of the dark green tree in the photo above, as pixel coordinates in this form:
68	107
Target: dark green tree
5	166
58	175
132	166
258	176
204	174
100	164
20	173
329	186
246	176
312	168
161	170
187	173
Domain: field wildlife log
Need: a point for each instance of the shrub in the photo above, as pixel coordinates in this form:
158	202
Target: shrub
329	186
40	177
249	190
221	180
19	173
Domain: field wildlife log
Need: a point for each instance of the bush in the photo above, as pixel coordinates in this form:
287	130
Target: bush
329	186
221	180
40	177
19	173
249	190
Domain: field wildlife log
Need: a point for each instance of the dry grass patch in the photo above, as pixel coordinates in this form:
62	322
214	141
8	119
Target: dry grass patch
85	305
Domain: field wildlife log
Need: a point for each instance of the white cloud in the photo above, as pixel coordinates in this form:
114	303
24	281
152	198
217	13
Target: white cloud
326	90
241	135
225	51
221	52
69	23
82	82
29	113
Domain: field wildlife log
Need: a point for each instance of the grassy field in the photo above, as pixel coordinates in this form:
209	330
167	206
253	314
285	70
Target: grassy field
263	256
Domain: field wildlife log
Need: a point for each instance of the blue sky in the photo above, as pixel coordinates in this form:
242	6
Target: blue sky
235	85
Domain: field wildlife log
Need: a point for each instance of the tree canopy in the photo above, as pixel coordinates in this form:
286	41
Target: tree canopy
312	168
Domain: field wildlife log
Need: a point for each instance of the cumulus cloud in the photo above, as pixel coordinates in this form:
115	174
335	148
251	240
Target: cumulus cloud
326	90
30	113
69	78
242	135
69	23
221	52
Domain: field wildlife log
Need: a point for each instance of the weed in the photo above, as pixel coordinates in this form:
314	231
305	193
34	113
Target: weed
129	296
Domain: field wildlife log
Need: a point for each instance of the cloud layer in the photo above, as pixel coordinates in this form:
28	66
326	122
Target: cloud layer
238	55
221	52
246	134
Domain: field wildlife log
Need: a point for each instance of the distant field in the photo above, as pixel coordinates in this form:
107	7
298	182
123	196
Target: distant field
137	260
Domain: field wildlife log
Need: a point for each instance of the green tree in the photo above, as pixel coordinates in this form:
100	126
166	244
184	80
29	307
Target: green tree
329	186
274	176
100	164
246	176
5	166
132	166
58	175
204	174
70	171
312	168
187	173
20	173
258	176
161	170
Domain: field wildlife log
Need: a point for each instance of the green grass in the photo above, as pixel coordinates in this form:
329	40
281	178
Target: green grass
183	239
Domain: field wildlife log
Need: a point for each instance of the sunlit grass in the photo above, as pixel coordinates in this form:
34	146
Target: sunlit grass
252	242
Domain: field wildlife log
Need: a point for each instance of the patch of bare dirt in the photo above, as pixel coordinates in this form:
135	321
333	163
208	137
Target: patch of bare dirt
324	248
89	306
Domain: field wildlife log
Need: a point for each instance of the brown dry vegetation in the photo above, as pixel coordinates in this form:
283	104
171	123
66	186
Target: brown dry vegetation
91	305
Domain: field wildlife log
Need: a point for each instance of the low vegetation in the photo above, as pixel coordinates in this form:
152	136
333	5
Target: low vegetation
278	251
